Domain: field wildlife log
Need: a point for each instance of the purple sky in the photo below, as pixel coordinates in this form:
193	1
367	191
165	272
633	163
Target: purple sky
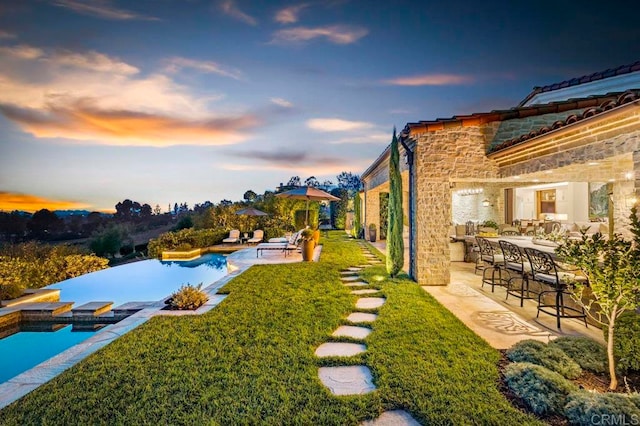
170	101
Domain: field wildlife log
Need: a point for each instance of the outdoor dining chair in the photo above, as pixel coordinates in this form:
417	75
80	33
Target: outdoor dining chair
545	271
515	261
494	264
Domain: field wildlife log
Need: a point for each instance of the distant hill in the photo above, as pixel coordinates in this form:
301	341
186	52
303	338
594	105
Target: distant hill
63	213
67	213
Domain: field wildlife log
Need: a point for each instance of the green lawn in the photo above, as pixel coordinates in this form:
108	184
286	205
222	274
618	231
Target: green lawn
250	360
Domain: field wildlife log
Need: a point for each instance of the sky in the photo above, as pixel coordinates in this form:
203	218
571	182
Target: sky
172	101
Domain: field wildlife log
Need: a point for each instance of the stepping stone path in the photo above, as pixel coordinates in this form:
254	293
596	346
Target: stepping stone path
357	317
365	291
356	284
355	379
352	380
370	302
393	418
339	349
352	331
350	278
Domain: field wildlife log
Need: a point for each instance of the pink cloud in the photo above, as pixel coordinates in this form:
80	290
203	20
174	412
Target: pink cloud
230	8
85	122
429	80
338	34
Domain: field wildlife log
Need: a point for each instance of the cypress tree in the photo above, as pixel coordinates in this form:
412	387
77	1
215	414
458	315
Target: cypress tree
395	243
356	213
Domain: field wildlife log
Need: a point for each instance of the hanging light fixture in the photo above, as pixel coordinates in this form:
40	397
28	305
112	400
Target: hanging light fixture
486	203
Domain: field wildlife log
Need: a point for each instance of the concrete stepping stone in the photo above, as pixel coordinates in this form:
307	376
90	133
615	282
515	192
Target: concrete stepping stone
362	317
363	266
370	302
354	268
351	380
356	284
352	331
350	278
348	273
339	349
365	291
392	418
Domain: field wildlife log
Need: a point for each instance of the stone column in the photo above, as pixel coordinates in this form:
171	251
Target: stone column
432	239
372	214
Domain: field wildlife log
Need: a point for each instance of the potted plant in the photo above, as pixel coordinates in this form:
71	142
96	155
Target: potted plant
308	244
372	232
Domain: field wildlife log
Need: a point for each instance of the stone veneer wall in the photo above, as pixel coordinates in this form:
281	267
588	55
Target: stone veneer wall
517	127
442	156
372	209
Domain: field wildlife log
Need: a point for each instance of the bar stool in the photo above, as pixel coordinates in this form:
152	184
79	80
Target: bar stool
515	261
545	271
495	264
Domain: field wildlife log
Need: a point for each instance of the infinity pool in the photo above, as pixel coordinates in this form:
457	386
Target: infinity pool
144	281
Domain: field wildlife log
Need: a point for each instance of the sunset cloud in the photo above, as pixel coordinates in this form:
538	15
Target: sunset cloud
298	162
99	99
230	8
21	51
101	9
83	121
429	80
337	125
281	102
373	138
290	15
10	201
176	63
338	34
6	35
93	61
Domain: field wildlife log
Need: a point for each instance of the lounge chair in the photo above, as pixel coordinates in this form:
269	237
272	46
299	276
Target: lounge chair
234	237
258	235
286	246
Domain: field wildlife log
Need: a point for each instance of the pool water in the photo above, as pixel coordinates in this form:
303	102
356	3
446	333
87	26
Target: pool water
26	349
144	281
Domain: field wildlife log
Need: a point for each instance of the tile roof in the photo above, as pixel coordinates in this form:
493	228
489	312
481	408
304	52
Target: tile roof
606	103
477	119
611	72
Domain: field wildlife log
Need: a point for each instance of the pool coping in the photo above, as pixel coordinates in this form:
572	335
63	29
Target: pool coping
20	385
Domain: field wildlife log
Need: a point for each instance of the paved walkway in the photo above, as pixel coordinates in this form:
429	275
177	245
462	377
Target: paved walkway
498	320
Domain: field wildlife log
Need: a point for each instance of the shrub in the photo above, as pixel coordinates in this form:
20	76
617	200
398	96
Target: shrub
11	290
188	297
588	408
626	344
547	356
126	249
635	398
588	353
35	265
543	390
186	238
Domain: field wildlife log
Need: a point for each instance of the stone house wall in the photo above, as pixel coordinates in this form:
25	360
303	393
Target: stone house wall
442	156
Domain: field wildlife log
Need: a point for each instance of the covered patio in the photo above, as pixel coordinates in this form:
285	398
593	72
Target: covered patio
494	317
573	160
